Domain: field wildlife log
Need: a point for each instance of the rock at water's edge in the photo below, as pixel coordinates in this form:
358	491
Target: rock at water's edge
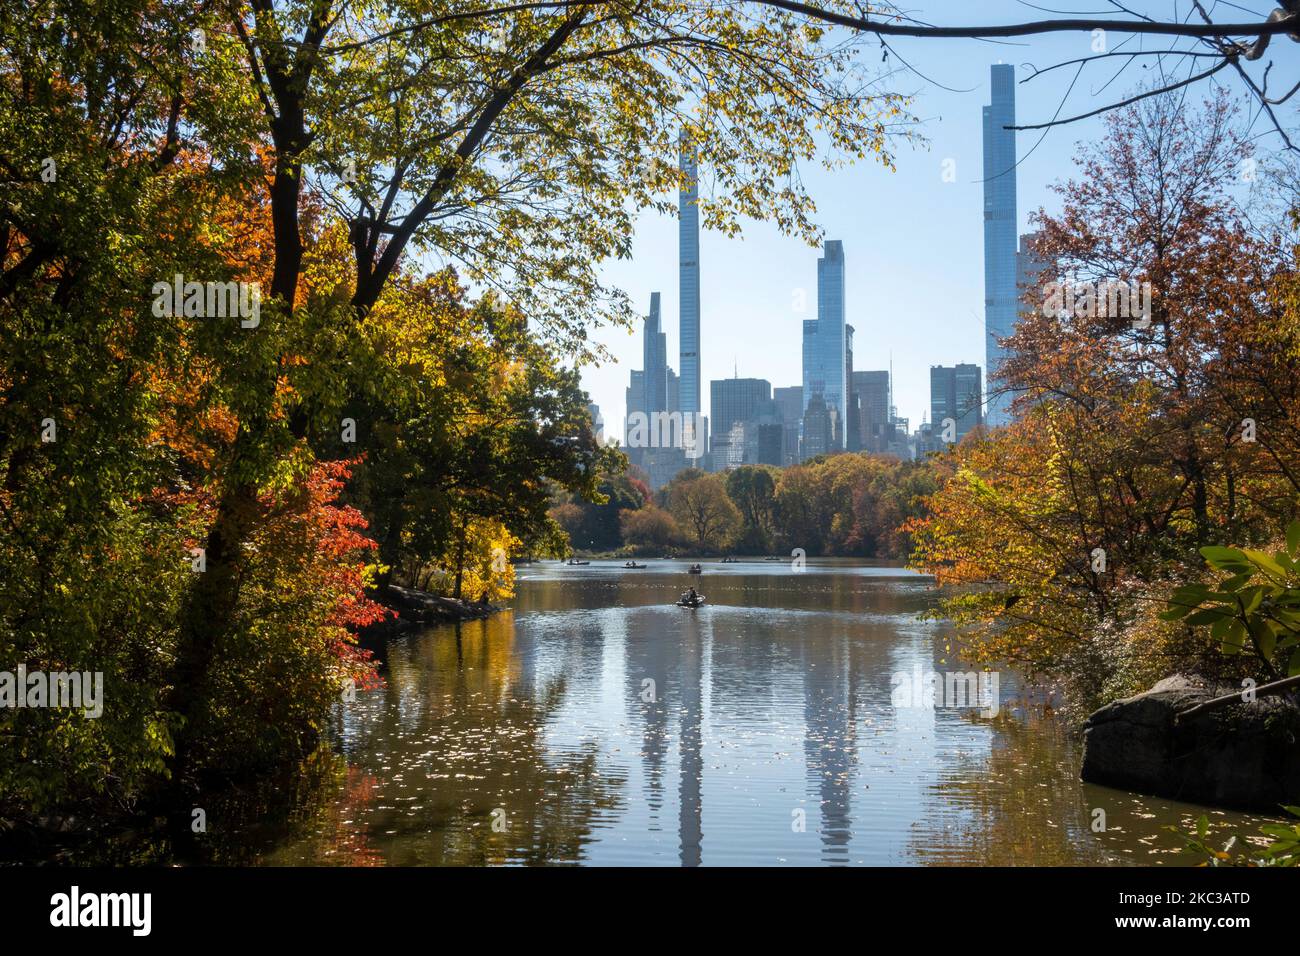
1244	756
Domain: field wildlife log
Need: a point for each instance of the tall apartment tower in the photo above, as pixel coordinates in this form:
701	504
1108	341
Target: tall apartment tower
655	360
825	346
688	241
1001	299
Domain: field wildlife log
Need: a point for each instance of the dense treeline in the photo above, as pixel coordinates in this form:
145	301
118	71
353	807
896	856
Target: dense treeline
851	505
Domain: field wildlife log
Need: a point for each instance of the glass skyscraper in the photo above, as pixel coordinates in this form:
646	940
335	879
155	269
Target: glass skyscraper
955	395
825	343
1001	299
688	240
734	402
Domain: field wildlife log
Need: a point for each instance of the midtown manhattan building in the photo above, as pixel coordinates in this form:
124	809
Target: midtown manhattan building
1001	298
825	351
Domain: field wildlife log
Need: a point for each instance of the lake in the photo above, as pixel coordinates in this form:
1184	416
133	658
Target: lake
596	723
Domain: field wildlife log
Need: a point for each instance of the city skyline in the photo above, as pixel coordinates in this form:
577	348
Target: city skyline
913	237
665	432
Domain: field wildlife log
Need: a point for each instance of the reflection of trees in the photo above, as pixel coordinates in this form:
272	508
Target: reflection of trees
1018	804
458	733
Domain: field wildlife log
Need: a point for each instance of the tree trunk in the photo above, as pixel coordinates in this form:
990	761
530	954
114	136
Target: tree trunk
460	561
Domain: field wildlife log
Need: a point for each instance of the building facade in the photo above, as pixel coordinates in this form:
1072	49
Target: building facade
735	403
871	391
789	407
955	396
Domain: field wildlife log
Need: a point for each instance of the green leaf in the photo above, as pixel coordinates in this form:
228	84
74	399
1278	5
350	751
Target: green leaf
1293	538
1226	559
1294	667
1236	581
1207	615
1251	599
1267	563
1267	642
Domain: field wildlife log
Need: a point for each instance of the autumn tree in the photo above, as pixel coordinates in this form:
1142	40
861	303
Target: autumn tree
752	488
702	509
1141	437
651	529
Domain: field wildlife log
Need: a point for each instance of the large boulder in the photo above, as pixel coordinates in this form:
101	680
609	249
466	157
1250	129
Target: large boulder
1242	755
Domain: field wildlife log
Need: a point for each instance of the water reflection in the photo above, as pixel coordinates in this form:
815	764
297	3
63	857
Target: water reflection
598	724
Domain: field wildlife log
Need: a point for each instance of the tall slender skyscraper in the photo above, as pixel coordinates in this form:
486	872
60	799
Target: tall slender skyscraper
655	358
688	239
1001	299
825	344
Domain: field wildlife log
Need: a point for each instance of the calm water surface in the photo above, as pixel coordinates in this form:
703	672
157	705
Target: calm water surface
536	737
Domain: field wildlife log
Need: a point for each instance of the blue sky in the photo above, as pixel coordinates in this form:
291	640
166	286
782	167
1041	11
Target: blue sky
913	244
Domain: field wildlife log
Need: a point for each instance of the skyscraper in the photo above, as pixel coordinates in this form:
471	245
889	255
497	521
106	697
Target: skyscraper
733	404
818	429
825	344
688	241
1001	300
955	395
872	391
597	421
789	407
853	429
655	360
634	399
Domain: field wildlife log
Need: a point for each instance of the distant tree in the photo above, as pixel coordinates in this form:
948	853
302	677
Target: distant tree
703	510
650	528
752	488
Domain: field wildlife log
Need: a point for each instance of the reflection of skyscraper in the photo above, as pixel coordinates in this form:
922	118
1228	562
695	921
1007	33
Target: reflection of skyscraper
830	747
677	670
649	660
1001	302
688	239
825	342
690	823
